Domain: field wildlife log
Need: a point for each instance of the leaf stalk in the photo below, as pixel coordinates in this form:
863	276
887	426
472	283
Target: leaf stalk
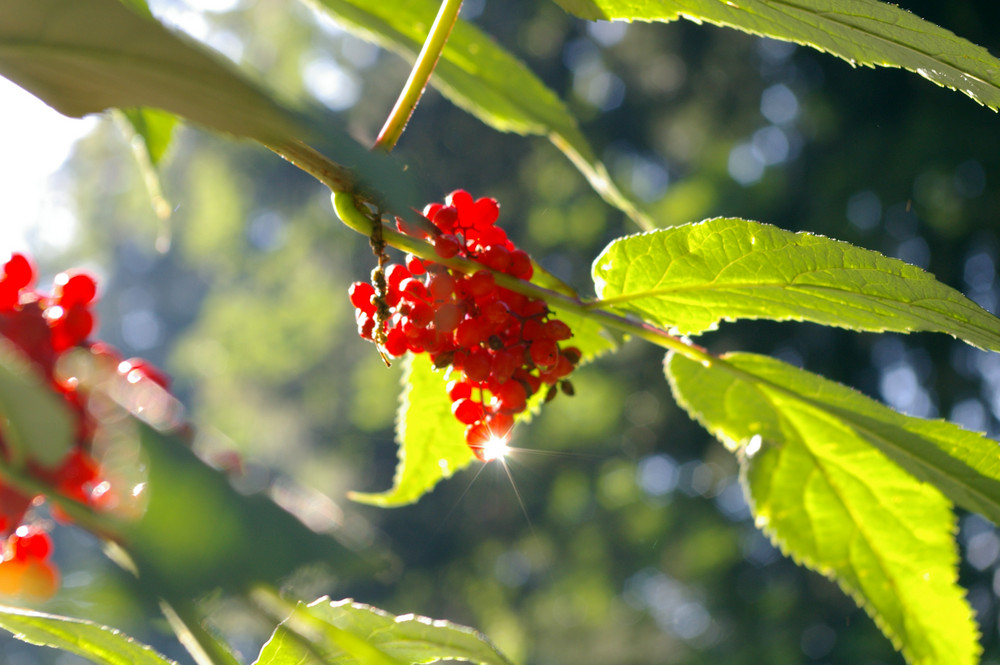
420	75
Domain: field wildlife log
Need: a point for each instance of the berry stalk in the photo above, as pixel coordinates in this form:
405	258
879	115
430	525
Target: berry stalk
353	218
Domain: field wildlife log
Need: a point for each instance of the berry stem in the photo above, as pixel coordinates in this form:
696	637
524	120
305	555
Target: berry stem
411	93
352	217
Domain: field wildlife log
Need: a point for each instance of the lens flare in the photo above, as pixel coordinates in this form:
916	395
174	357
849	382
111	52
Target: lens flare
495	448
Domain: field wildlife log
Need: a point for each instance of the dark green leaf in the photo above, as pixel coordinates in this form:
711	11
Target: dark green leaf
196	533
349	633
689	278
99	644
480	76
862	32
827	472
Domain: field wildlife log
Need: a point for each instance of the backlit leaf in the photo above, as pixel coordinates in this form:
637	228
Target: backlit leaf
483	78
828	475
378	638
862	32
691	277
431	442
99	644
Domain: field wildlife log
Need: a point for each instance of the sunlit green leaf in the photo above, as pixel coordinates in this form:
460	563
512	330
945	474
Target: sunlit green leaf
480	76
348	633
862	32
35	422
431	442
99	644
691	277
824	470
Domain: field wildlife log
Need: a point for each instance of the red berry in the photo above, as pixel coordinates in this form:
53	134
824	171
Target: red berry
496	257
76	289
361	294
556	330
445	218
486	213
447	318
395	343
415	265
520	265
480	283
446	245
30	542
544	352
467	411
395	275
471	332
459	390
19	271
414	288
512	397
477	365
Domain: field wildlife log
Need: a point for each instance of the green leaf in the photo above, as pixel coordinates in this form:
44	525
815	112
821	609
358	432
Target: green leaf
862	32
814	461
483	78
35	422
378	637
691	277
89	55
154	128
431	442
196	533
99	644
86	56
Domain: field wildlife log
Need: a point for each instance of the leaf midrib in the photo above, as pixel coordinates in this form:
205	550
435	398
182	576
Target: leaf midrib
789	10
861	429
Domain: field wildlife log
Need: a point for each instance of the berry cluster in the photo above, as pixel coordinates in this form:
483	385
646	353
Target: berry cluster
44	328
502	345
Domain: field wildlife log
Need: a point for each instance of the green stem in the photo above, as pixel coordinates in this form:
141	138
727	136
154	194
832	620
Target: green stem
358	221
203	647
409	97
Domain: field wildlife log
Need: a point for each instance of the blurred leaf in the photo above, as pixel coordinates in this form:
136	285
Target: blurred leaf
140	6
483	78
431	442
86	56
154	128
691	277
197	533
99	644
36	423
819	463
349	633
862	32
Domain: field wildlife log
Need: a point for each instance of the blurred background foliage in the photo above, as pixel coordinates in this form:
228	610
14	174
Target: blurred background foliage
619	534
